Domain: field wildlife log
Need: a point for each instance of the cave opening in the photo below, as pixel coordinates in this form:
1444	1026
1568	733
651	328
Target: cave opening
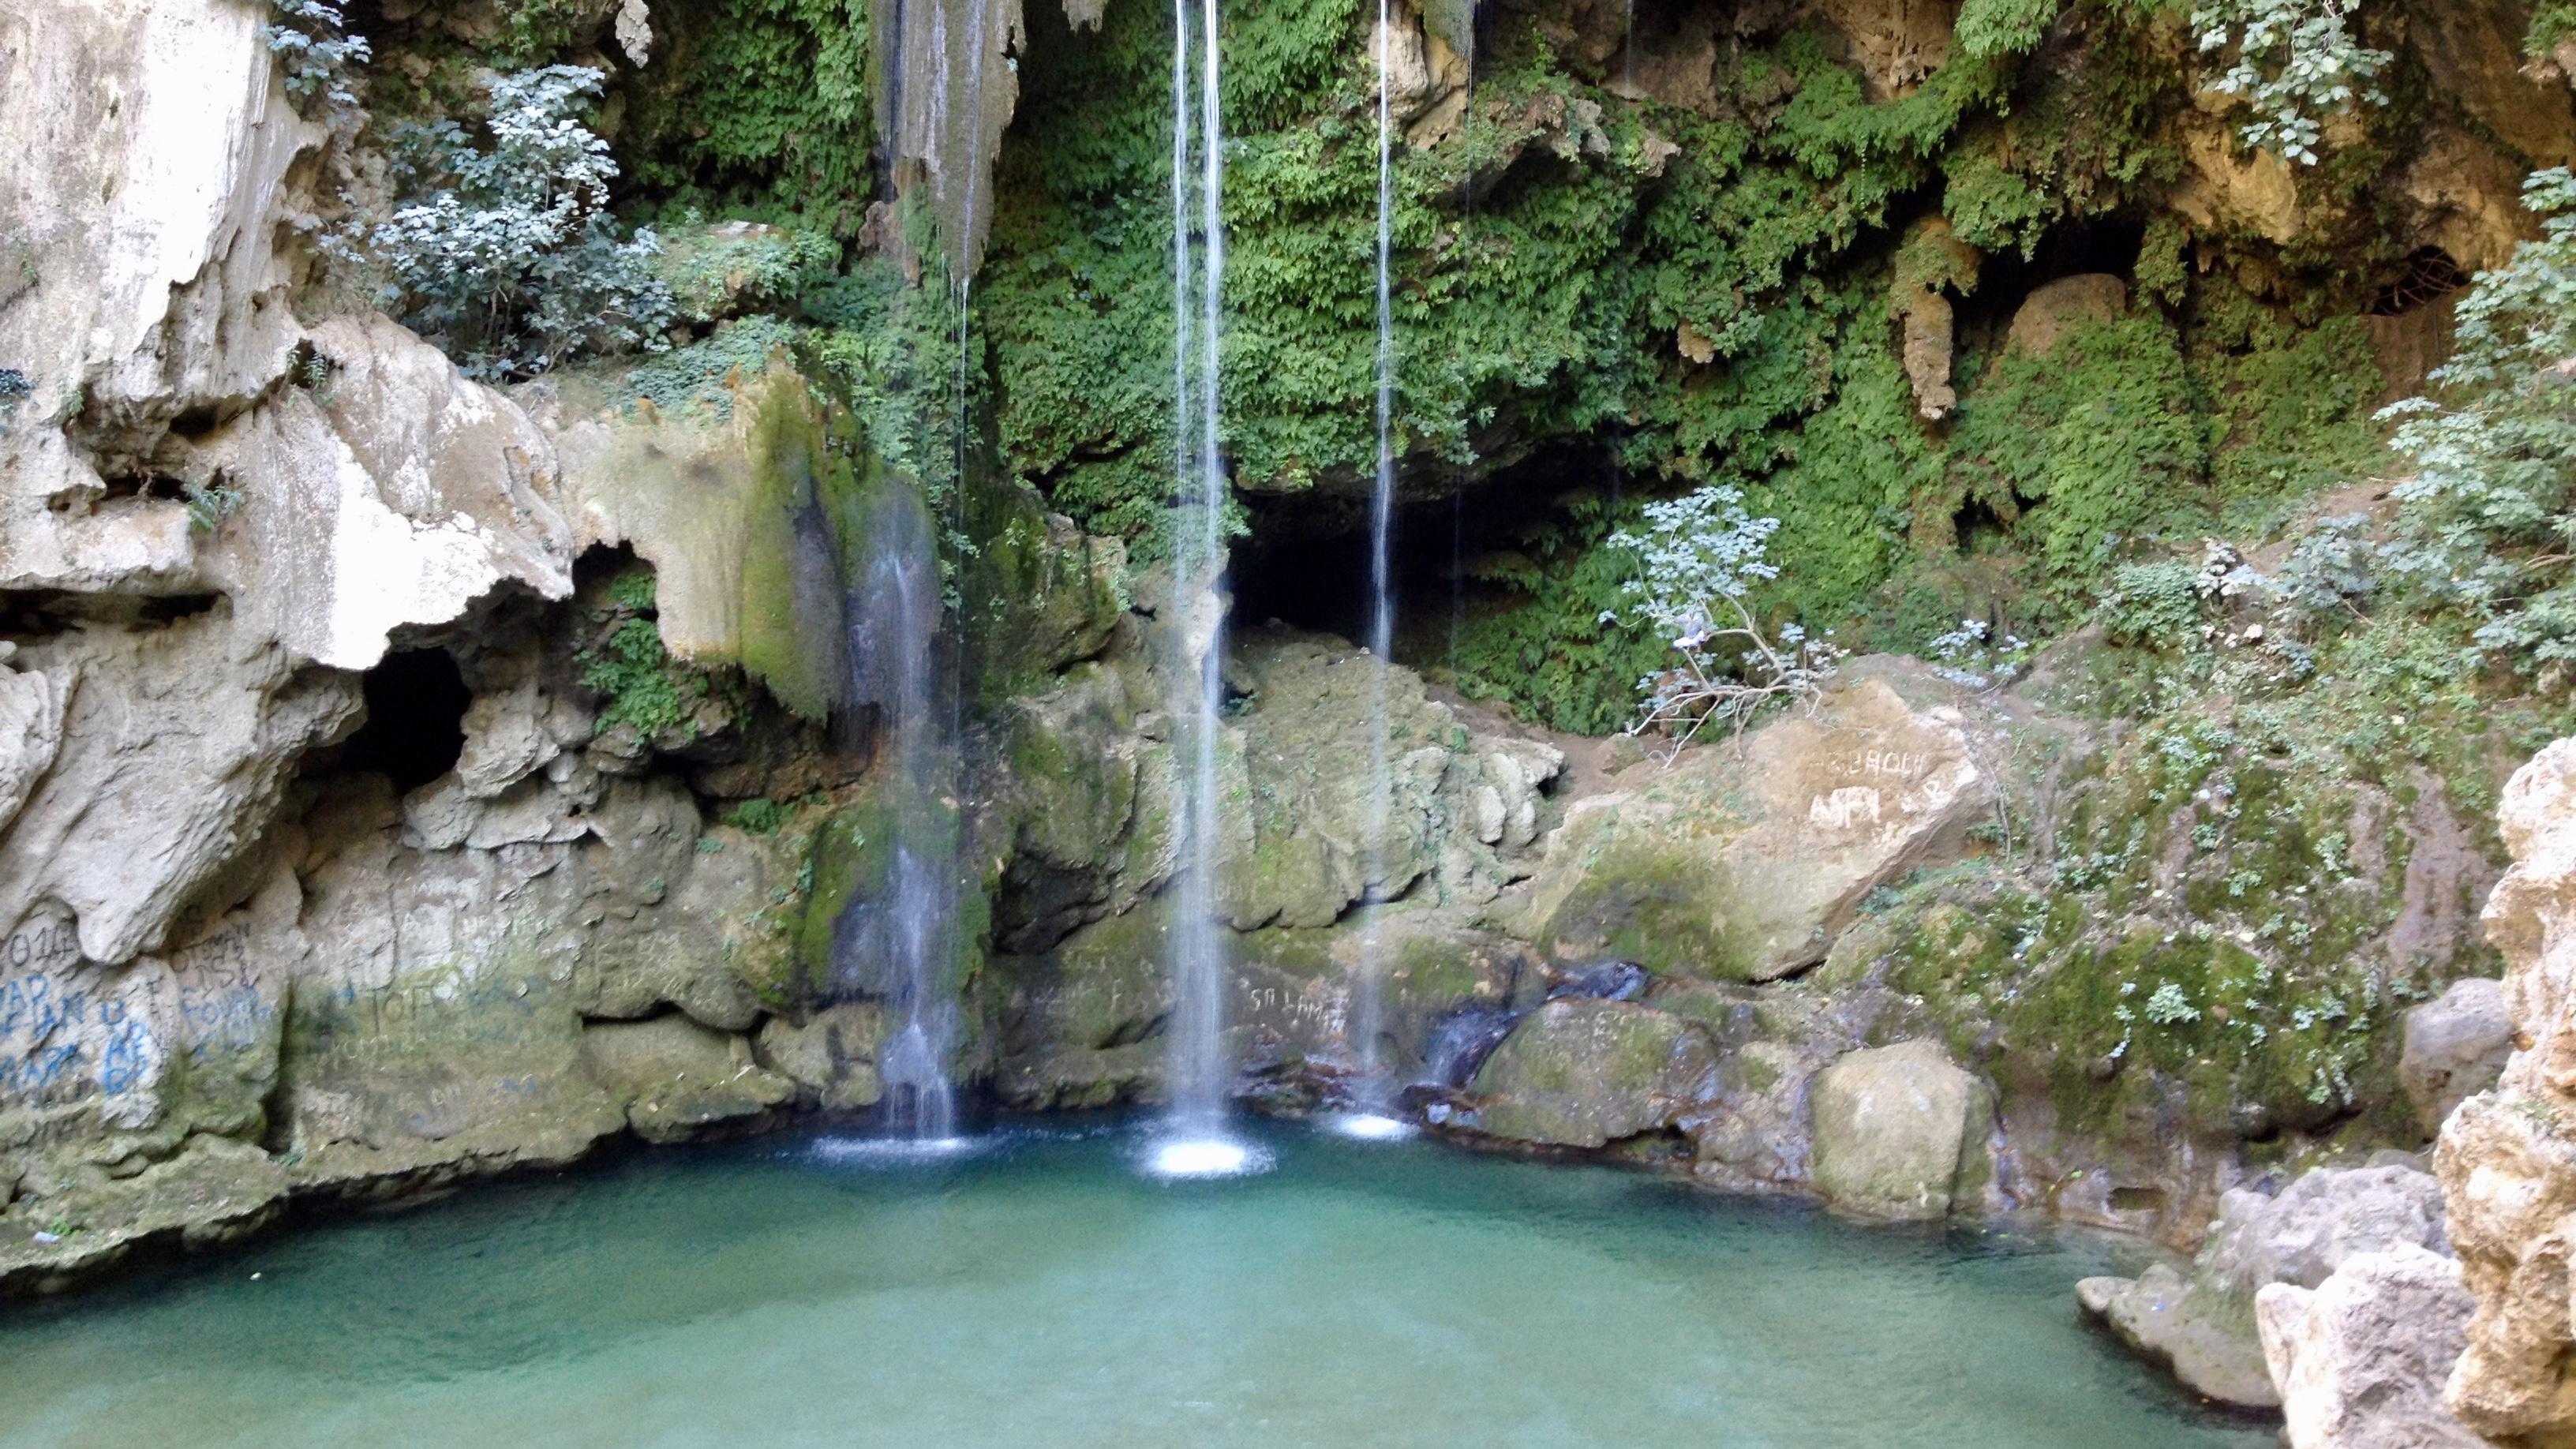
1456	556
415	729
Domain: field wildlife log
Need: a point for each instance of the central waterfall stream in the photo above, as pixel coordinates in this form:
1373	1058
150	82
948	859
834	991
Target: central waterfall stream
1047	1291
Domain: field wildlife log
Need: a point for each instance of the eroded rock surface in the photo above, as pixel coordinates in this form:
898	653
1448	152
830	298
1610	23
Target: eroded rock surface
2507	1159
2360	1359
2204	1326
1741	863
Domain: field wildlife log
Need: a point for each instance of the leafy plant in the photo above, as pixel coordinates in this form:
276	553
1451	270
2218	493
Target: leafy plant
1700	555
2296	61
2484	523
14	387
313	47
756	817
210	503
509	255
641	685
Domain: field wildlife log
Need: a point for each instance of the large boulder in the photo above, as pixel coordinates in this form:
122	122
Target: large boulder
2052	311
1583	1073
2456	1045
2359	1360
1900	1132
2203	1327
1745	859
676	1078
832	1055
2151	1314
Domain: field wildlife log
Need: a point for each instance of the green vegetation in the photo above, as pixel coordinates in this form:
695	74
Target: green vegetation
505	252
641	687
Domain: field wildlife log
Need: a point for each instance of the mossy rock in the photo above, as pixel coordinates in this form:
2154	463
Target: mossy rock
1900	1132
1586	1073
1741	863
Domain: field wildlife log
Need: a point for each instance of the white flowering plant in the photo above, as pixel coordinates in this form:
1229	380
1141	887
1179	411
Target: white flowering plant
509	255
2297	61
1699	557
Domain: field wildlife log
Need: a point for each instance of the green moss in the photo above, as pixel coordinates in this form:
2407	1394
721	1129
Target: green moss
640	685
757	107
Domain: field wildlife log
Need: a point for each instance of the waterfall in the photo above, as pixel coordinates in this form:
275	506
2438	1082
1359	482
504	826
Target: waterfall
1194	1143
1368	1008
902	947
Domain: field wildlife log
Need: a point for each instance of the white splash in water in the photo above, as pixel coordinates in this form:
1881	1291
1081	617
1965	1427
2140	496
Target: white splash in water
1199	1157
1369	1127
897	1150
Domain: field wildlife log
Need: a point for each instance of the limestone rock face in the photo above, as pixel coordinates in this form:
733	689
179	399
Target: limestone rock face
149	195
833	1055
1895	43
2456	1046
2204	1327
2507	1158
1742	864
1900	1132
1585	1073
676	1078
407	496
2360	1359
2052	311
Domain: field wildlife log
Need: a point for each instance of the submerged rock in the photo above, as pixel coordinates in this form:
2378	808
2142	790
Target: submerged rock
1586	1073
1900	1132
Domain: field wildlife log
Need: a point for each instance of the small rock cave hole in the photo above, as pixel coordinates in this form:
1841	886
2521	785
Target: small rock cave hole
2427	276
415	729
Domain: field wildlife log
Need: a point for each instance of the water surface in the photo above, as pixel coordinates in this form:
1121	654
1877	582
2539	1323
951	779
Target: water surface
1044	1292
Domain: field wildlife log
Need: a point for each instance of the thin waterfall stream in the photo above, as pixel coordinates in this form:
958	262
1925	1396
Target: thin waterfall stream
903	948
1196	1143
1371	1093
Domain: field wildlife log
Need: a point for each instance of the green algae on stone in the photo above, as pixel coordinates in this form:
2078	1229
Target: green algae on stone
1586	1073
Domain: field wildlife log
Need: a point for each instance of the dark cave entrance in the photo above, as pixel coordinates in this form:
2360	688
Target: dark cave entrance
415	729
1455	556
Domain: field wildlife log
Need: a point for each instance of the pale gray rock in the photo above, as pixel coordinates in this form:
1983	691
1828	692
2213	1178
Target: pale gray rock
833	1054
154	166
2507	1158
177	742
676	1078
408	496
2151	1313
1587	1073
2456	1046
2204	1327
2360	1359
1743	860
31	731
1900	1132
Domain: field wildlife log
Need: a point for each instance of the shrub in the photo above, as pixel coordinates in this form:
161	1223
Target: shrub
509	257
1700	555
2484	524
